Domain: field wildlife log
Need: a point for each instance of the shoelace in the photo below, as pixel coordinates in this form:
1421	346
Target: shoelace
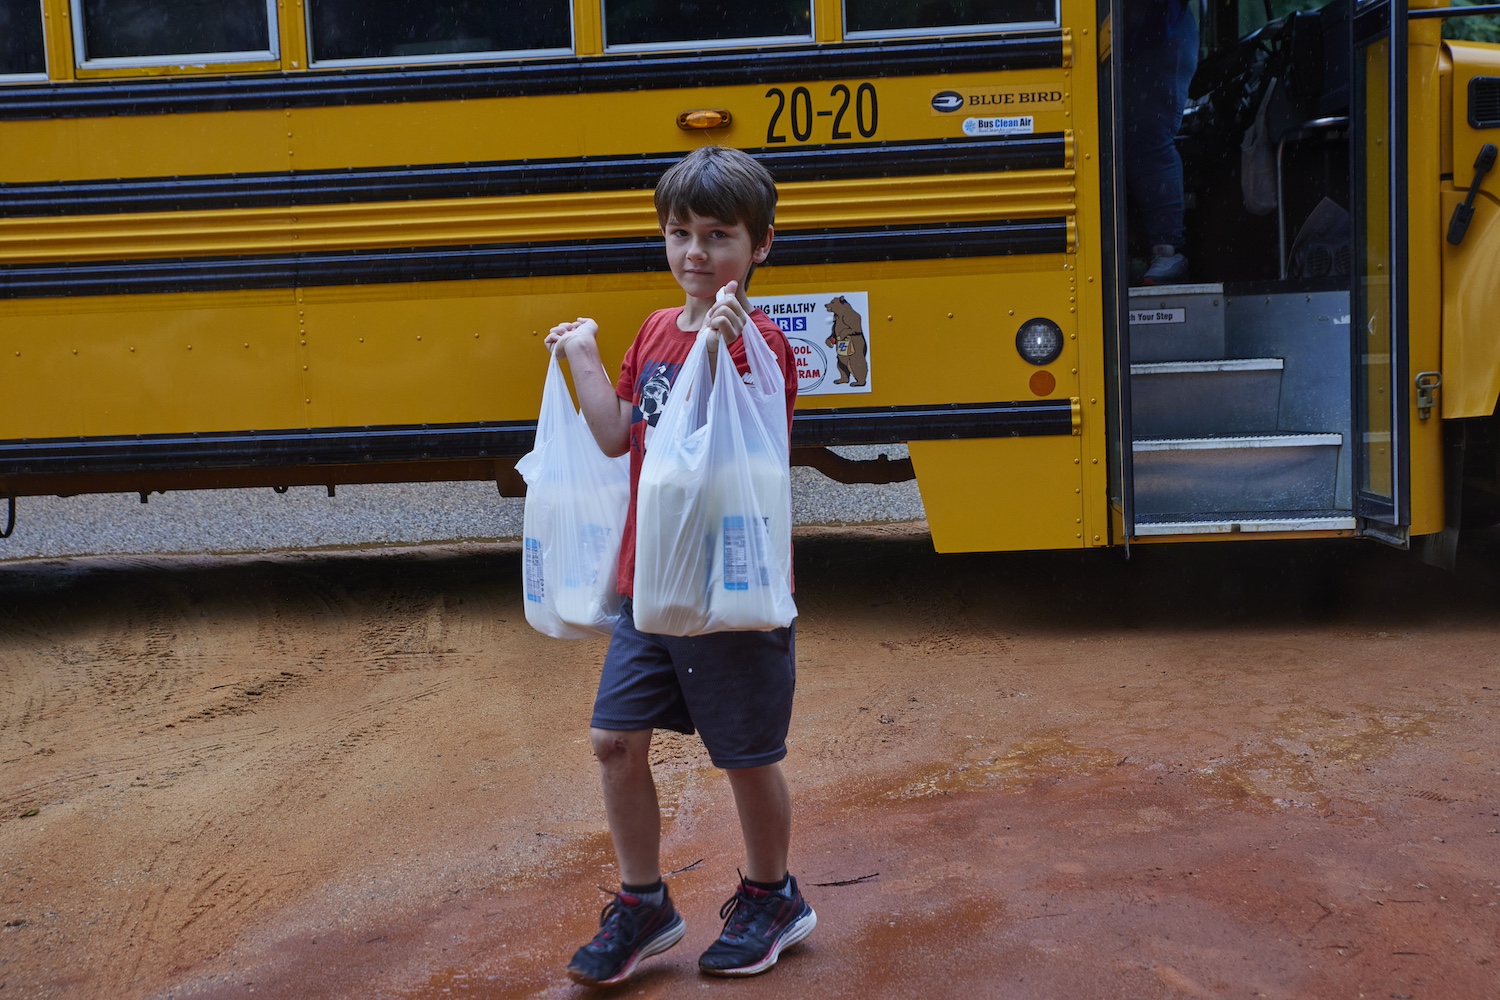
619	913
732	907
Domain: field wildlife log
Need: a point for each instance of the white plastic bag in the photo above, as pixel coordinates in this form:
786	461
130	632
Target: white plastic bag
714	504
1258	161
576	499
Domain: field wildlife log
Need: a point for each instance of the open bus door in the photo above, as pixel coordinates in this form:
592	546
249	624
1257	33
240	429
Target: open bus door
1382	501
1268	394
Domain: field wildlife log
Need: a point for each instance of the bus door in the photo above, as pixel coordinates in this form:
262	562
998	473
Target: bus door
1379	307
1115	255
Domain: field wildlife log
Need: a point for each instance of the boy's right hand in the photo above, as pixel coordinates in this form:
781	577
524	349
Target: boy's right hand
563	332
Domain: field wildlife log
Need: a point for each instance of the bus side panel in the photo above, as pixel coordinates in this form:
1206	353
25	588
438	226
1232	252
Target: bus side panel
79	149
1471	290
454	352
439	352
939	332
146	364
1471	303
944	331
1002	493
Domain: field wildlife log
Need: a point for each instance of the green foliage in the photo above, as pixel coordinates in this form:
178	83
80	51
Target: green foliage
1474	29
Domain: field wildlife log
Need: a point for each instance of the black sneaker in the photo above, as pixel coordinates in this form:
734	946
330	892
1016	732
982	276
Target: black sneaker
629	931
758	926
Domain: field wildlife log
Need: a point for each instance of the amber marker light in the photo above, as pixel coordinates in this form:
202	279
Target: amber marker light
704	118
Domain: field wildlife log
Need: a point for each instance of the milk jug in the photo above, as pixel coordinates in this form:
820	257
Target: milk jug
752	542
583	585
570	554
672	543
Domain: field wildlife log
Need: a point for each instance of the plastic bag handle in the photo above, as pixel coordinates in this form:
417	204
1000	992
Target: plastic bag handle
686	409
554	420
766	399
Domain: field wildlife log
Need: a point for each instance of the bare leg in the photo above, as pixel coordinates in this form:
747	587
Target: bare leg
630	802
764	803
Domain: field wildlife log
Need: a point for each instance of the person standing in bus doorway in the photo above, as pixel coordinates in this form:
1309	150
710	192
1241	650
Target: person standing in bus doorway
716	208
1160	43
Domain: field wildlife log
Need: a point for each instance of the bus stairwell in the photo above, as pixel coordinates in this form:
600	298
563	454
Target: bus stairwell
1239	410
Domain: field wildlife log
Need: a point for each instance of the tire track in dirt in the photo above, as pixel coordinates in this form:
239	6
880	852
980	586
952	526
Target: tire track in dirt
266	703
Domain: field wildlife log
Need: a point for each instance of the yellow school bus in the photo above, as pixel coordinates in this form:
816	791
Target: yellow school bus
256	243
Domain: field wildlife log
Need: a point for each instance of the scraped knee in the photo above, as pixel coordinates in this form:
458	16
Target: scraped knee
613	747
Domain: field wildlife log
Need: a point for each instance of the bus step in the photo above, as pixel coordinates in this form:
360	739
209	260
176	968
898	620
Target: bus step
1172	399
1195	478
1248	523
1177	323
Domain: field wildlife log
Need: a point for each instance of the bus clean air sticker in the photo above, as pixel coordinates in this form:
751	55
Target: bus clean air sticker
829	334
1021	125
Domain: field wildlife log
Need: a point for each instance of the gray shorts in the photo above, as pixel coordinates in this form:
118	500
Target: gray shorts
734	688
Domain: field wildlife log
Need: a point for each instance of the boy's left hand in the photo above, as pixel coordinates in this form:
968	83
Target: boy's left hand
726	318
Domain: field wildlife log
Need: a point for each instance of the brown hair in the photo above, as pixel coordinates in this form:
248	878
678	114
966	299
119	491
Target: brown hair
719	183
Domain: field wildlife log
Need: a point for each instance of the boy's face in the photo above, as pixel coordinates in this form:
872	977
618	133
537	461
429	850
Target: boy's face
706	254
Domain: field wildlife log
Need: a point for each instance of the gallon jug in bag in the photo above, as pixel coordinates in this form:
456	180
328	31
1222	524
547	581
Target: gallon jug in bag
713	530
587	559
576	499
753	545
672	544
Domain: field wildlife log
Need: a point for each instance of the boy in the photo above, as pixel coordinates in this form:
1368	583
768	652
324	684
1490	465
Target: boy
716	208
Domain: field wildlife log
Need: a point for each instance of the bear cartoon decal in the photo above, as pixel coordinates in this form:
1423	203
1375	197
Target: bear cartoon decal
848	343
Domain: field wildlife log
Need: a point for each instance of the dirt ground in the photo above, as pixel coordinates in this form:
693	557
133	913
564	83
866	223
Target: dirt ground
1244	770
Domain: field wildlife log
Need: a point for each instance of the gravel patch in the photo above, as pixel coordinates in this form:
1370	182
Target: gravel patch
305	517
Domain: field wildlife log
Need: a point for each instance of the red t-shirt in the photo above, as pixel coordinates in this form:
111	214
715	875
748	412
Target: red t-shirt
646	377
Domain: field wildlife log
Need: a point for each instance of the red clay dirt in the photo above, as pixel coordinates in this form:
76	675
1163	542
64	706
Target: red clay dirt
1244	770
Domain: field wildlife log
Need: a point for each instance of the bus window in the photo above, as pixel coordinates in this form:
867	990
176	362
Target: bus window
1256	14
21	53
903	17
371	31
117	33
637	24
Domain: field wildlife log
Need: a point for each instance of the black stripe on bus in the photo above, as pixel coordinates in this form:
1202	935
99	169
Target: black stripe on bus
1047	151
491	440
953	421
592	75
365	267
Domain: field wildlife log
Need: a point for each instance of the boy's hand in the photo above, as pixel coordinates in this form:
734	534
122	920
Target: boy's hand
580	327
726	318
608	415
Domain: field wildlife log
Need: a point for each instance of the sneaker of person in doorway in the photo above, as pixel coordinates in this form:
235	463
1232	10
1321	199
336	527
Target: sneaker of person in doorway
1168	267
629	930
758	926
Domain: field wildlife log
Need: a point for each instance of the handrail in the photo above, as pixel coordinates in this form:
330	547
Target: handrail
1476	11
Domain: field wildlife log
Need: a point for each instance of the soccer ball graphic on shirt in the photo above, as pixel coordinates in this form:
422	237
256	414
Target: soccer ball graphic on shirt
654	395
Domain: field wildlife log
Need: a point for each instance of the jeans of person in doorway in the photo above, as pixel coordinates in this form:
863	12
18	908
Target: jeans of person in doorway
1160	57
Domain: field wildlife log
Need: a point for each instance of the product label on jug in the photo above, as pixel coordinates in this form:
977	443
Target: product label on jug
593	544
535	588
736	554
